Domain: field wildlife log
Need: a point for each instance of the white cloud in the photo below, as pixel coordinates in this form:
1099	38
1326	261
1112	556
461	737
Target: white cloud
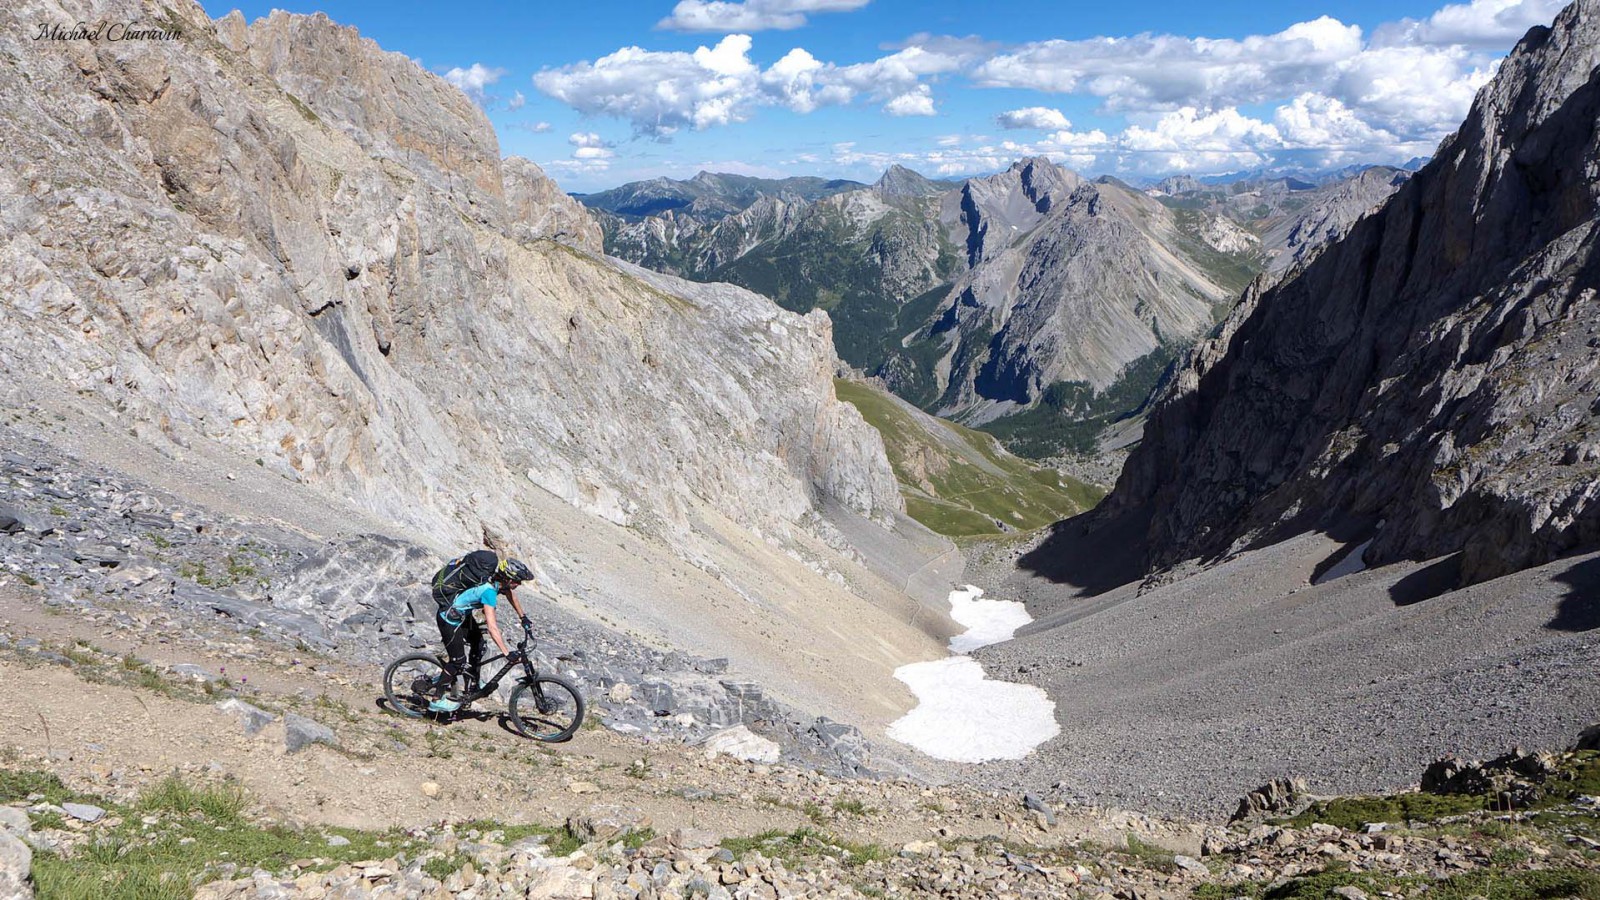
1412	82
474	79
1413	91
1190	129
533	127
1317	122
1038	118
1481	24
1312	130
662	92
749	15
588	140
1165	71
590	150
917	102
1187	140
1318	93
517	101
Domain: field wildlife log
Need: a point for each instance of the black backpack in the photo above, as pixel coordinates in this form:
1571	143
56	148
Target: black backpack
463	573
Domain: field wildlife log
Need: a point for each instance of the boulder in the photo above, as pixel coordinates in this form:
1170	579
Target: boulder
251	718
16	866
1280	795
1032	802
84	812
192	672
15	821
657	697
740	742
1589	739
1516	778
15	521
300	732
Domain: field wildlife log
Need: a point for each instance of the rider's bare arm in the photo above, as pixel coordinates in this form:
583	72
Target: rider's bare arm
494	630
516	604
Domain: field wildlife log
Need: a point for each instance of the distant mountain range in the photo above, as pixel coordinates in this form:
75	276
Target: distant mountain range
1033	303
708	194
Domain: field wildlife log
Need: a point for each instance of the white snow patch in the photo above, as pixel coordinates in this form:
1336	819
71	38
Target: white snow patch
962	716
988	621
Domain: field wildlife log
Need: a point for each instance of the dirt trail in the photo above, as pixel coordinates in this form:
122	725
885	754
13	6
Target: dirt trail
113	738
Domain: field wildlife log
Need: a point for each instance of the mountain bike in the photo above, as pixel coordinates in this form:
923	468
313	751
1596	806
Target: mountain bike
542	707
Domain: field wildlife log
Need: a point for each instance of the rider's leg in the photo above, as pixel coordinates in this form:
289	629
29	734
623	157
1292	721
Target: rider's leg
473	634
455	645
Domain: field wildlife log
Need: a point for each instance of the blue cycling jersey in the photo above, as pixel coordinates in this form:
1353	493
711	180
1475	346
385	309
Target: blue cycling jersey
469	601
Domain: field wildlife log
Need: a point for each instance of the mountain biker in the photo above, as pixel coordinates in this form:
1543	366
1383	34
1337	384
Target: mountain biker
463	586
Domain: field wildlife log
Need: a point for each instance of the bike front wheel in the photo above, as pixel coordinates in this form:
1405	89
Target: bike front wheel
547	709
414	681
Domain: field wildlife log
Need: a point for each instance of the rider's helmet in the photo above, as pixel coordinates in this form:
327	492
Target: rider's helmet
514	571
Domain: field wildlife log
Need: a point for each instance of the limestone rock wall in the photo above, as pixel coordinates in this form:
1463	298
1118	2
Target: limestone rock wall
281	238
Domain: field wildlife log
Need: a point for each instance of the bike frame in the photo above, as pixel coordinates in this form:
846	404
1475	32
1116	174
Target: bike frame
489	687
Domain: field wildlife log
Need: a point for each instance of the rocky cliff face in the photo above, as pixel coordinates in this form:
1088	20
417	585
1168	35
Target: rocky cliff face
1429	379
538	208
278	237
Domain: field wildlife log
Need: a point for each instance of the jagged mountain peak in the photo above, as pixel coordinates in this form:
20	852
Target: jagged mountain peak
899	181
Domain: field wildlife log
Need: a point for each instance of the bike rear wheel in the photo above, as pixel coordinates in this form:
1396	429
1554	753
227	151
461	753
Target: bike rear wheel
546	709
414	681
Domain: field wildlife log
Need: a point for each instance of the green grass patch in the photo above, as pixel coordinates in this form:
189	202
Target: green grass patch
1540	884
1488	884
960	482
637	838
442	867
1580	775
558	840
1071	414
201	826
15	786
806	843
222	803
1149	855
1351	813
852	807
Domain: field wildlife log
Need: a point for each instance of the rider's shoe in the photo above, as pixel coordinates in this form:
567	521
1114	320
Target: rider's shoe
447	703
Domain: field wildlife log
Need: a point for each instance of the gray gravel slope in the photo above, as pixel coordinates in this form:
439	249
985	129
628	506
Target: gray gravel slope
1186	697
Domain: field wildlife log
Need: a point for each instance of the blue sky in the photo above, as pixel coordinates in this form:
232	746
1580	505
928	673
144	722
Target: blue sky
599	93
